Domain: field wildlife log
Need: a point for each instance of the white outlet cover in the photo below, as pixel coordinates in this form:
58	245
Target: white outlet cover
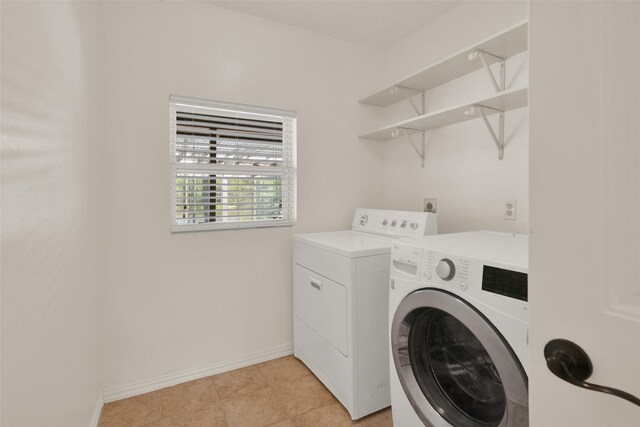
510	210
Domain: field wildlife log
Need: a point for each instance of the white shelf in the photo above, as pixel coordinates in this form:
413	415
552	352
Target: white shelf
503	101
503	45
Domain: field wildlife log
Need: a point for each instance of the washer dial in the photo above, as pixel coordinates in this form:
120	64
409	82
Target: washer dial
445	269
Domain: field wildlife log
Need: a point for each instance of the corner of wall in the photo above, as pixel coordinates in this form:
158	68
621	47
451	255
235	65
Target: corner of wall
460	168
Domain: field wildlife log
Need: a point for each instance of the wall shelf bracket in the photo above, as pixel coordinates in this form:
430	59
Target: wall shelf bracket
484	57
408	94
499	138
420	151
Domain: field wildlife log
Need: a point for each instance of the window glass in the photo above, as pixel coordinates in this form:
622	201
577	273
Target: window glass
233	166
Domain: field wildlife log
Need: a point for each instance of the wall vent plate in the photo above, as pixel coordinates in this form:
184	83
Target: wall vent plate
430	205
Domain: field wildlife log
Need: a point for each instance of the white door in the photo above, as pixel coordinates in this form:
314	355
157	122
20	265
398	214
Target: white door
584	281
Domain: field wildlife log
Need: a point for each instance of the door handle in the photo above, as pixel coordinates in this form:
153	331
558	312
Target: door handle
315	283
569	362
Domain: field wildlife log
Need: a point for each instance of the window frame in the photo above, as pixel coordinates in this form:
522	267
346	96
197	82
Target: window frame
288	169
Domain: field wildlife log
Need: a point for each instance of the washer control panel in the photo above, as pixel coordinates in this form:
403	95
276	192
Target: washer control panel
446	269
395	223
495	283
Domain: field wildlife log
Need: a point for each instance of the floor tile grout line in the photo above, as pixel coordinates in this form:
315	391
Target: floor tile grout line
313	409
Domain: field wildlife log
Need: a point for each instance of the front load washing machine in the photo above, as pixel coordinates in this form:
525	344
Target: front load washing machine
458	330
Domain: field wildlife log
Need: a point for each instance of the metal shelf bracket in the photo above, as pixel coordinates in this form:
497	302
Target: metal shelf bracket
408	93
483	56
498	139
420	151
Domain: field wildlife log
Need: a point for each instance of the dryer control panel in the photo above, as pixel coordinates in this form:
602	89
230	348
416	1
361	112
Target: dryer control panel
395	223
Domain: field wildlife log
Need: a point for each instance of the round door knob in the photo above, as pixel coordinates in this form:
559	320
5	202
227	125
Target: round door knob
446	269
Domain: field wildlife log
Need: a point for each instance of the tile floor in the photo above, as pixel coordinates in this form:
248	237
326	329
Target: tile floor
278	393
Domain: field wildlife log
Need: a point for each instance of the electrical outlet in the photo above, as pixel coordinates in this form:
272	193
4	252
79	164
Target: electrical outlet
510	210
431	205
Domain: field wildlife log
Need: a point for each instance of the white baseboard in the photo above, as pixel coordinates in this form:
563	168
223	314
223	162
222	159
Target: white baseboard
152	384
96	412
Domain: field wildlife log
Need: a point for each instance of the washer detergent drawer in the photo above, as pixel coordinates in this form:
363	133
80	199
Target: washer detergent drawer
321	303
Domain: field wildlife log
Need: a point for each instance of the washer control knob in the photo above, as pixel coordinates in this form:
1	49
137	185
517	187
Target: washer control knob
385	221
393	223
403	224
428	276
363	219
464	286
446	269
413	225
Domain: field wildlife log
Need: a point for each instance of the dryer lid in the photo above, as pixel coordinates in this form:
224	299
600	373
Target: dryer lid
351	244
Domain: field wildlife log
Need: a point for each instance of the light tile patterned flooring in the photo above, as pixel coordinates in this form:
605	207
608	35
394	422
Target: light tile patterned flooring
278	393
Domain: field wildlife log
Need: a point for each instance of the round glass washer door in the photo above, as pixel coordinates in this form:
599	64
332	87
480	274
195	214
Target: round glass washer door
454	366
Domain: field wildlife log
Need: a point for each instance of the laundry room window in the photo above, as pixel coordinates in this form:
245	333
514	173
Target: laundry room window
232	165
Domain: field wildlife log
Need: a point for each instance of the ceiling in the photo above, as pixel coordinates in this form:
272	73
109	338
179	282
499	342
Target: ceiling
377	24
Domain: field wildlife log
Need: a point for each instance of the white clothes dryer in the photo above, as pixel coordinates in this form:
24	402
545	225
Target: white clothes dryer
341	304
458	329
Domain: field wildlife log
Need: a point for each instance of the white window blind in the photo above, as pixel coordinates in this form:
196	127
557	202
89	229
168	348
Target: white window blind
232	165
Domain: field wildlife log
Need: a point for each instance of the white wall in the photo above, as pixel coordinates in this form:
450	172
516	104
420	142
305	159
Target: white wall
87	110
50	360
180	301
462	169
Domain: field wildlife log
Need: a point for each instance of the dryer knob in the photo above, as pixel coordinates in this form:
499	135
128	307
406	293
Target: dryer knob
446	269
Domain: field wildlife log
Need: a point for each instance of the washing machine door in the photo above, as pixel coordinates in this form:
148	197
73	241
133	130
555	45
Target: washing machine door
454	365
